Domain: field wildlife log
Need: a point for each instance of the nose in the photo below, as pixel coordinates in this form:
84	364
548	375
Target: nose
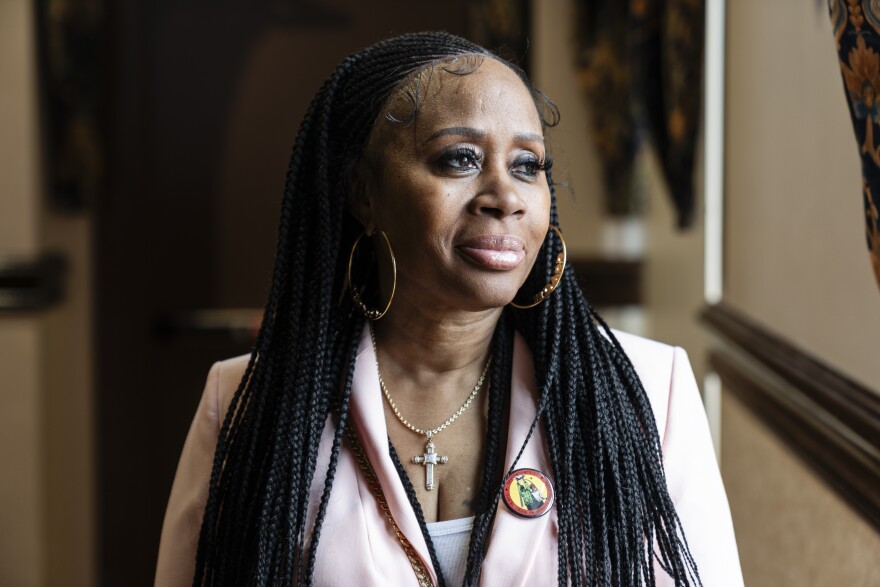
499	195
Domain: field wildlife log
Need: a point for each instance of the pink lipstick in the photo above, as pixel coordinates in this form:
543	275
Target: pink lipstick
501	252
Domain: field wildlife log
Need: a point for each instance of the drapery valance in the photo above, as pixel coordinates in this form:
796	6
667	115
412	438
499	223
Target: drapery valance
640	66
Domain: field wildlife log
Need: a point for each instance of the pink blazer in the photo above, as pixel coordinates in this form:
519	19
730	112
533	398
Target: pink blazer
359	548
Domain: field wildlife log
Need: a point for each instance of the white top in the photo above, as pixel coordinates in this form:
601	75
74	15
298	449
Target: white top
451	539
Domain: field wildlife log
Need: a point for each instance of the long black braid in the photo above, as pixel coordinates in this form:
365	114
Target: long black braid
612	502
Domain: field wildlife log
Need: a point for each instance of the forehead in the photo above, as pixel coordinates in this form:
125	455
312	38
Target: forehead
486	95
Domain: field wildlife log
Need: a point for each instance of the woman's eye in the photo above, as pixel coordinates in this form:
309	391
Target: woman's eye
461	159
529	166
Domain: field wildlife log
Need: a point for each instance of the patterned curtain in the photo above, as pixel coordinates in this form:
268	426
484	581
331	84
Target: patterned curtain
640	67
857	32
70	36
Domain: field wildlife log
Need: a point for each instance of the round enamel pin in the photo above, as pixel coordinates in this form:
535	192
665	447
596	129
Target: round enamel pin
528	493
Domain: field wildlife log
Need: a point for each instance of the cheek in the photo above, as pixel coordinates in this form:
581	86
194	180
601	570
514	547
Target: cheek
539	234
541	219
422	205
539	226
422	219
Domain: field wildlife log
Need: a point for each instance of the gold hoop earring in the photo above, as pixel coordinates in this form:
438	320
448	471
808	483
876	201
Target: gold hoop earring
355	294
555	279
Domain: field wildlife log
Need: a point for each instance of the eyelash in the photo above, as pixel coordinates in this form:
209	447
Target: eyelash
458	154
449	158
535	165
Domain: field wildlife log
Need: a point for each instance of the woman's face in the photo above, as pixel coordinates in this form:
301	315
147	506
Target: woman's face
460	191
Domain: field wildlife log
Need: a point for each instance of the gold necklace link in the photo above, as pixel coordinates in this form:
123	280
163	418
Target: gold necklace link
450	420
418	565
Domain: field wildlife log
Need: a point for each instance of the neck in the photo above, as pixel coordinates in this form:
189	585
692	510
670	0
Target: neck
423	346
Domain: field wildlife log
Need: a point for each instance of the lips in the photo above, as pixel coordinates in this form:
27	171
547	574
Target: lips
498	252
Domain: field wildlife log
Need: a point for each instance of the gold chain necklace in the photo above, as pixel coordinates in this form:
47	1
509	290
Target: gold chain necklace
430	458
375	487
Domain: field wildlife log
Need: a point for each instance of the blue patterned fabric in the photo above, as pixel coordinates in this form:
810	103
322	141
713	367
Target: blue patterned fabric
857	33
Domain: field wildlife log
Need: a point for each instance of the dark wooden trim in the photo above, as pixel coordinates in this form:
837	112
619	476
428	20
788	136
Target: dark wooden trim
829	420
855	405
609	282
28	284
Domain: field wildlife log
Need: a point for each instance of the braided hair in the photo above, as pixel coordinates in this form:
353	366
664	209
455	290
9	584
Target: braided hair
612	502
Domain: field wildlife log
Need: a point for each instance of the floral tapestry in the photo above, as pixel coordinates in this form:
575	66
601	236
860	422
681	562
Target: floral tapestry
857	32
640	66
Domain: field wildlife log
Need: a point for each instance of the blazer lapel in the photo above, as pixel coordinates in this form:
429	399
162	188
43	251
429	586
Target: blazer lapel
529	541
368	417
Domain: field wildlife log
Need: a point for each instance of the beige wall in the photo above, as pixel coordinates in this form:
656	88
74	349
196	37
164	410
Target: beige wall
791	527
46	490
68	419
674	273
18	147
795	251
22	516
575	163
796	262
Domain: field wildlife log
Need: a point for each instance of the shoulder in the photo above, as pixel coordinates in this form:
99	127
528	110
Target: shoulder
189	493
663	370
649	353
232	368
229	373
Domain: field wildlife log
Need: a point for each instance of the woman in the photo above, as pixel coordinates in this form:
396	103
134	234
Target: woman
423	345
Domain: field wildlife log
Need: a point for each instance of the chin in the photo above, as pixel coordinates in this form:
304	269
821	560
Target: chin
490	294
483	305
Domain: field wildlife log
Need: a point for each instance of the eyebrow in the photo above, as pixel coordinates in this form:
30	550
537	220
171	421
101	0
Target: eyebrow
474	133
